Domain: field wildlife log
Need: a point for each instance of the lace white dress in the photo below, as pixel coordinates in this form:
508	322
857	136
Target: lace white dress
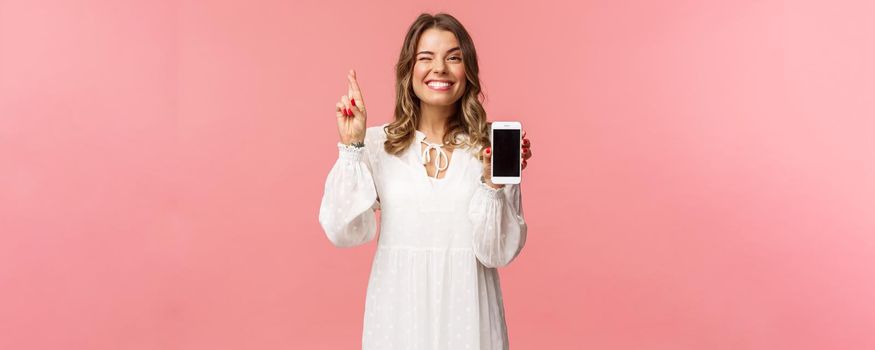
433	282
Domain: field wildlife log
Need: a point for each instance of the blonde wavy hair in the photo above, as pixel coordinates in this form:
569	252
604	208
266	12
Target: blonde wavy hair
470	117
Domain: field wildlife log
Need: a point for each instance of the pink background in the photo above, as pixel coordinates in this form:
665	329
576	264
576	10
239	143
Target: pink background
703	174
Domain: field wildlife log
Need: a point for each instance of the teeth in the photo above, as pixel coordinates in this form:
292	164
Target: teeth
438	84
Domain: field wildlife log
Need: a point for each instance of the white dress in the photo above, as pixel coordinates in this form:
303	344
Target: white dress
433	282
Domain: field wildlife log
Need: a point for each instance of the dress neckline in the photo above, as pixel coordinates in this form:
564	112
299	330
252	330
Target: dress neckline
424	156
420	136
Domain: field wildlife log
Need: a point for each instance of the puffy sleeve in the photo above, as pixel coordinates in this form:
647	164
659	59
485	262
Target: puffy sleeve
499	226
347	213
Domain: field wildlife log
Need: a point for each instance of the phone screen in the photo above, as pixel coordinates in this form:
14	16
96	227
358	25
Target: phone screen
506	152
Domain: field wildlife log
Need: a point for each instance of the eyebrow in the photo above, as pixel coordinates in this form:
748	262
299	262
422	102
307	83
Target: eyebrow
432	53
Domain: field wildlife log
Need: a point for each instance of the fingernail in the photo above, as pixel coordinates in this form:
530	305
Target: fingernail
349	111
353	101
488	150
346	112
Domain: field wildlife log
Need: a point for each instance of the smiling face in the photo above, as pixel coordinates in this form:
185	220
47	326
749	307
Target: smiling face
439	68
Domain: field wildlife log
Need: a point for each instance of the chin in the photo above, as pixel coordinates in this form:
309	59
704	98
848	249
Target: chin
441	102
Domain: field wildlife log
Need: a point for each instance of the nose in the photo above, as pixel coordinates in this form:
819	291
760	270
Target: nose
439	66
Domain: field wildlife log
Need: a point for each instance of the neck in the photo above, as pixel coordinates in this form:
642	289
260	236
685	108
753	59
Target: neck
433	121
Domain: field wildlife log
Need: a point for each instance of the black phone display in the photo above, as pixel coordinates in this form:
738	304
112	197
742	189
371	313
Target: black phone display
506	152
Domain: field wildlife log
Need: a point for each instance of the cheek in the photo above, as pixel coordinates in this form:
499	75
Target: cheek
419	71
460	74
418	75
460	78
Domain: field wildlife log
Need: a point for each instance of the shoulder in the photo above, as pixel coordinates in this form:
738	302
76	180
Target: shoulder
375	135
463	139
376	131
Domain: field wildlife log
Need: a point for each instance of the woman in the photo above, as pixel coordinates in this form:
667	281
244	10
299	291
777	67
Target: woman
445	227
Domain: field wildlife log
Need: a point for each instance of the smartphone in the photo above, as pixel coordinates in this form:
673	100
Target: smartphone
506	141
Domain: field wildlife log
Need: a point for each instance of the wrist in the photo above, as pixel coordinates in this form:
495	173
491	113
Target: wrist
353	143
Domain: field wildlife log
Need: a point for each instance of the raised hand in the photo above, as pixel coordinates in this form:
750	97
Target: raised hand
351	114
